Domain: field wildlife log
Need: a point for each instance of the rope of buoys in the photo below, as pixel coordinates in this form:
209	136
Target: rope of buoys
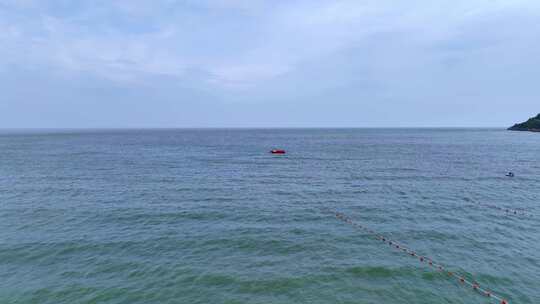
506	210
423	259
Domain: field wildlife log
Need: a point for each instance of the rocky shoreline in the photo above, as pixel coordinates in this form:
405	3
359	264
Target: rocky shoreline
531	125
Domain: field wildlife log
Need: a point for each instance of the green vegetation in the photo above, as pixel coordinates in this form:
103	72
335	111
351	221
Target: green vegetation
533	124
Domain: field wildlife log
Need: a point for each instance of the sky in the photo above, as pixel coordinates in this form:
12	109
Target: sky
279	63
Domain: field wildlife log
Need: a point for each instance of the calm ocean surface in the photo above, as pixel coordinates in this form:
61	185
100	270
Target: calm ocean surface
209	216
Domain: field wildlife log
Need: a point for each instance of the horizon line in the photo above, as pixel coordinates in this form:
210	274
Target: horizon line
244	128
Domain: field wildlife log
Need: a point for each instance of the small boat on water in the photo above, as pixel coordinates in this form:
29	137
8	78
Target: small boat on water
510	174
277	151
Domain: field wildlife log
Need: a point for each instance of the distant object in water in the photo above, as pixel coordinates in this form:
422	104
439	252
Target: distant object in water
277	151
510	174
533	125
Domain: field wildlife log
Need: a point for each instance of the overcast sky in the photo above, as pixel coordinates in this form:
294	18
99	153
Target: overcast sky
203	63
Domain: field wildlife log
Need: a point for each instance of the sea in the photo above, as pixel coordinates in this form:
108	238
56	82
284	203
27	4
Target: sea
210	216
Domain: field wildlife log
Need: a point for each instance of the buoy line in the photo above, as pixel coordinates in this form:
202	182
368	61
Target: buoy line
507	210
423	259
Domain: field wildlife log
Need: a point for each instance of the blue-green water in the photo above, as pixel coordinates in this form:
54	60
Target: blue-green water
209	216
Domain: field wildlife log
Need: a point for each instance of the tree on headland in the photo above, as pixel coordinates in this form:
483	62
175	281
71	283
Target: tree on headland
533	124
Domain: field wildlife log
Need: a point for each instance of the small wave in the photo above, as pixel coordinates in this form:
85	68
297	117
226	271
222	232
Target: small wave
381	272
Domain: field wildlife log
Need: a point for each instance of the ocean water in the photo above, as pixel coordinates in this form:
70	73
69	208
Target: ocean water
209	216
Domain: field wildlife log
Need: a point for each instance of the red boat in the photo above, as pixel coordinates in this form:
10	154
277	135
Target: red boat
277	151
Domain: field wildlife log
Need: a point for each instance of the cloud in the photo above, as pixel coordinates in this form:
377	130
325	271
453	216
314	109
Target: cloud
258	42
406	53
